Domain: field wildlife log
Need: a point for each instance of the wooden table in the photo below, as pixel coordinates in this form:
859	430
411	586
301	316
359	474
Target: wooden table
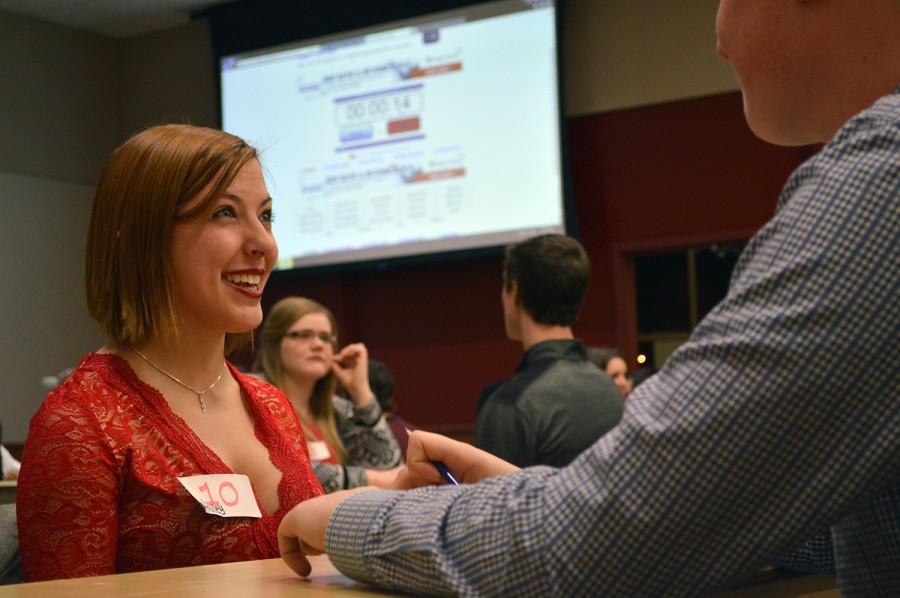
273	579
248	579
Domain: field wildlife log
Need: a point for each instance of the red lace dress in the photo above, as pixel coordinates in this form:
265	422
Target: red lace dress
98	492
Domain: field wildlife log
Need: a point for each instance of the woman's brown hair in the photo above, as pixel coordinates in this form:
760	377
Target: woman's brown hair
279	319
141	195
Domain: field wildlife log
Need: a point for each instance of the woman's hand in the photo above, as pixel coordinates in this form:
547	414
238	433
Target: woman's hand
302	531
351	366
467	463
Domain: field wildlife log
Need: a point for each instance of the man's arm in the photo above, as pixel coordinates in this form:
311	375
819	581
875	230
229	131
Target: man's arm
778	416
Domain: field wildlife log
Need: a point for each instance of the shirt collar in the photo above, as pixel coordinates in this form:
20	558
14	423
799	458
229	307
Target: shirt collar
553	350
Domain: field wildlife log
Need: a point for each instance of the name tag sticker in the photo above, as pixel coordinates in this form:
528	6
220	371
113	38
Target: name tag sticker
318	450
223	494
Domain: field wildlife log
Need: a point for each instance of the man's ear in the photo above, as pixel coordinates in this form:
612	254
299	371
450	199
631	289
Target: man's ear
514	293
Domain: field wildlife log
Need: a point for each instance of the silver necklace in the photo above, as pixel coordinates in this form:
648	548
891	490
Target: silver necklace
199	393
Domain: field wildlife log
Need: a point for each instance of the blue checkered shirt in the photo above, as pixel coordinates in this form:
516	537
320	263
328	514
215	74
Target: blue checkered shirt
778	420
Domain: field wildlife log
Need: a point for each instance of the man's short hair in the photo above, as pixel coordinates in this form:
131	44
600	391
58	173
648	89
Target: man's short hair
552	273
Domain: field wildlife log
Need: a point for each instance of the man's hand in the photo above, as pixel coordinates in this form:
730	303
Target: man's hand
302	531
467	463
383	478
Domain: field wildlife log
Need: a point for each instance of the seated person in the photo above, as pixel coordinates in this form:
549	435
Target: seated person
10	563
349	441
381	379
485	393
558	403
179	250
758	433
612	362
641	375
8	465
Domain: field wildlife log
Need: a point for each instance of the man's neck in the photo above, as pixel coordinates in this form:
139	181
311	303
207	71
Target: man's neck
534	333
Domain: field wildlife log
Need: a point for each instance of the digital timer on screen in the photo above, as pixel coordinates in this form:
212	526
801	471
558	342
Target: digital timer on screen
436	134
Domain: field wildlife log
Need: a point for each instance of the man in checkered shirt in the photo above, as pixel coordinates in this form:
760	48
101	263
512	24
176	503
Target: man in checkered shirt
778	420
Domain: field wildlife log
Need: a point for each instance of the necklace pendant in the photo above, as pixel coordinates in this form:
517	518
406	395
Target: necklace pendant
199	393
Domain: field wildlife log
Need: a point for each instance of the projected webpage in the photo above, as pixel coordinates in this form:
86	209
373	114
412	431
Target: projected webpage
429	137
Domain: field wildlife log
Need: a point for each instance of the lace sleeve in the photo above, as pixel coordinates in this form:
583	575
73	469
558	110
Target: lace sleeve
67	495
366	435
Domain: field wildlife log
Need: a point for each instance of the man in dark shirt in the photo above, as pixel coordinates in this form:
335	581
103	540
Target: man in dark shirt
558	403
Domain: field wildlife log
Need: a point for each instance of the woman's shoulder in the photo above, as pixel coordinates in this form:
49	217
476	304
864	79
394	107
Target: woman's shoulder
91	381
89	396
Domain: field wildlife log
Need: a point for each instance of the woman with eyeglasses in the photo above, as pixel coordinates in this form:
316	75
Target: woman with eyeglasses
349	441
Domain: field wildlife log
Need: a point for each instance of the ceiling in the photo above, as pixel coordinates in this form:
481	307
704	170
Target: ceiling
113	18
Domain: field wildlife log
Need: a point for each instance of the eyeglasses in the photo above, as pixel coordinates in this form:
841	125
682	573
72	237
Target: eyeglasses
306	336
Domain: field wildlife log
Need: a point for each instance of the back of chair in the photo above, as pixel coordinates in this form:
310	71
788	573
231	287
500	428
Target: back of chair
10	564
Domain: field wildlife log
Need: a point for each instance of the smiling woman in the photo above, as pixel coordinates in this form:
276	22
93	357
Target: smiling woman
117	465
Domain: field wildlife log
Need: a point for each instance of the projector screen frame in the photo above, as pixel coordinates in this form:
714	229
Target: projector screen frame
243	27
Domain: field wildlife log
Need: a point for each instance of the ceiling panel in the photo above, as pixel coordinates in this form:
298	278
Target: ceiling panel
114	18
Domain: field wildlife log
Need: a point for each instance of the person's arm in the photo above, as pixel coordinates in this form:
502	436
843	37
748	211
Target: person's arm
756	433
366	435
465	462
343	477
10	465
360	421
339	477
67	495
302	531
813	556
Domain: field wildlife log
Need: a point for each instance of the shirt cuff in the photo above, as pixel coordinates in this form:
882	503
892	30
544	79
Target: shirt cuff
348	531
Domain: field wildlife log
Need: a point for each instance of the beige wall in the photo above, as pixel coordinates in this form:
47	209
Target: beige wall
60	110
45	326
168	77
59	104
626	53
70	97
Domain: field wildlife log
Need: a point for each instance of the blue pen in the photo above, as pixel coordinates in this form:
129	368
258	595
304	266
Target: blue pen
445	473
442	469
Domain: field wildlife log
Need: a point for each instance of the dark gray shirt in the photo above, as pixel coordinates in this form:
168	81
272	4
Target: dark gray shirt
557	405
